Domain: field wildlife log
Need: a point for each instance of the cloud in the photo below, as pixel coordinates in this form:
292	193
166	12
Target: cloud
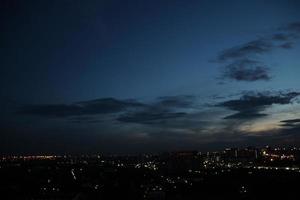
290	123
246	115
92	107
170	119
292	27
176	101
250	106
150	117
281	37
84	119
168	122
242	64
127	111
246	70
161	111
258	46
287	45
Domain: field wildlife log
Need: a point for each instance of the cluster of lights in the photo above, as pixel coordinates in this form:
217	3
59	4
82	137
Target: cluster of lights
54	189
278	168
157	188
149	165
39	157
280	156
195	171
243	189
151	189
97	187
170	181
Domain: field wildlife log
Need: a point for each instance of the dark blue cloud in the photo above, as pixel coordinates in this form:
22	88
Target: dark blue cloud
254	47
176	101
251	105
292	28
282	37
243	64
92	107
127	111
161	111
246	70
290	123
150	117
246	115
287	45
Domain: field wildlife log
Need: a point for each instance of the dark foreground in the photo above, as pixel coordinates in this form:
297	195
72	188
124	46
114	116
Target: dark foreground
146	177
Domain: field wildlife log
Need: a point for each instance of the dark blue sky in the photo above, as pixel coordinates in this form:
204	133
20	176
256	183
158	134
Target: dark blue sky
136	76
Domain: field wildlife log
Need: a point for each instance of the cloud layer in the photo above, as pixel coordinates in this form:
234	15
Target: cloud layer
164	111
181	120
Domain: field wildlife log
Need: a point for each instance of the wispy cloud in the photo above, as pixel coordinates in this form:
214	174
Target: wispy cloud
254	47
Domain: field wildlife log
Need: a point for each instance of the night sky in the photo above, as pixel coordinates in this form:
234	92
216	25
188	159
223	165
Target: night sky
148	76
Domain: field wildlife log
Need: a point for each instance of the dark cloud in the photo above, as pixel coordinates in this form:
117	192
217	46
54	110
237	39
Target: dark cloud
161	111
246	115
288	33
287	45
291	123
246	70
281	37
128	111
251	105
150	117
84	119
176	101
258	46
93	107
292	27
241	66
